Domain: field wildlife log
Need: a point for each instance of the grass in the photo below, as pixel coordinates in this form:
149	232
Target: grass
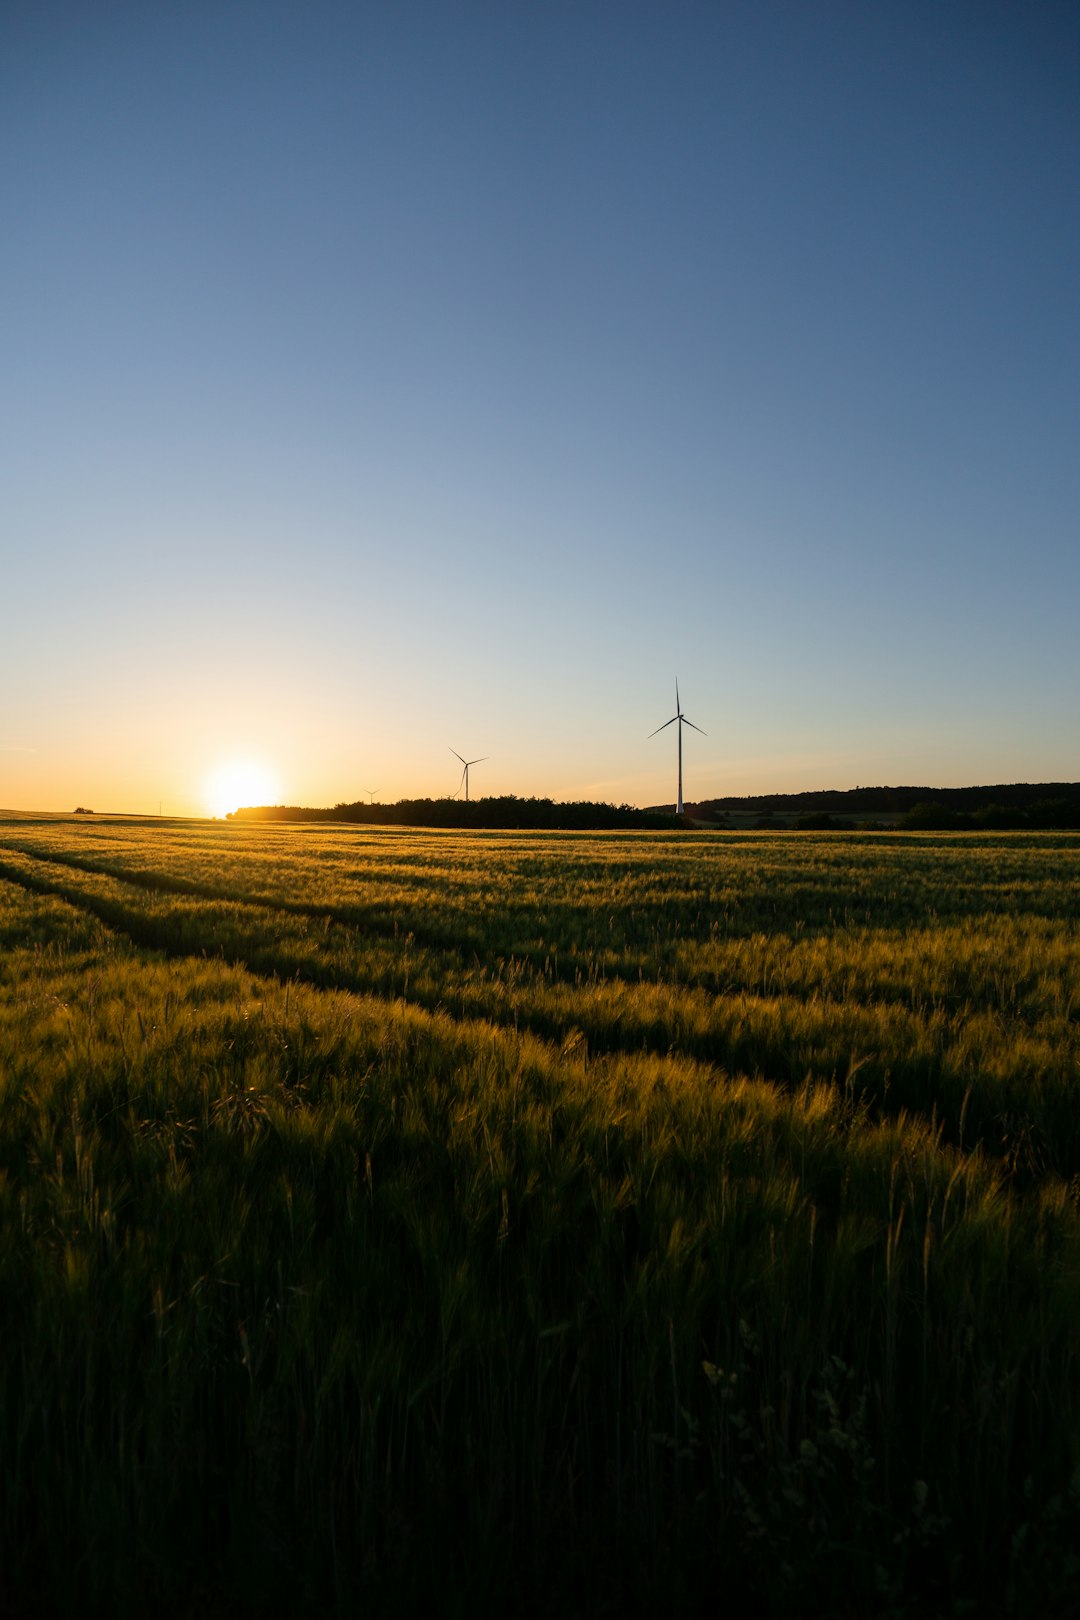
544	1225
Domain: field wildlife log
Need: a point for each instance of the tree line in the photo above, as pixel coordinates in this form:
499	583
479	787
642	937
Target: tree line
503	811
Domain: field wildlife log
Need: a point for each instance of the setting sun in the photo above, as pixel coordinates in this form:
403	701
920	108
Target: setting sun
240	782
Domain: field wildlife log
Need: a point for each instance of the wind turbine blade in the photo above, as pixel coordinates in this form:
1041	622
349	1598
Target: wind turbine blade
687	722
464	778
455	753
678	705
664	727
481	760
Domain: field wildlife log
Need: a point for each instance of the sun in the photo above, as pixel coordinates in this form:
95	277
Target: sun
240	782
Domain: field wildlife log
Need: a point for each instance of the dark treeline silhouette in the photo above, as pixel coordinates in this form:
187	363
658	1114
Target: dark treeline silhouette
505	811
1043	814
920	809
1012	804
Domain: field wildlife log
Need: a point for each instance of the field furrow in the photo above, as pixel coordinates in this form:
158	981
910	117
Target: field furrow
359	1263
977	1025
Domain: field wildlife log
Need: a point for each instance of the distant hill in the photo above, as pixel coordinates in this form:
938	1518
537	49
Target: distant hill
1004	804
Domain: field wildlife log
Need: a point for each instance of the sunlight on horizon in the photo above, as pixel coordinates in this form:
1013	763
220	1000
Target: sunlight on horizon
240	782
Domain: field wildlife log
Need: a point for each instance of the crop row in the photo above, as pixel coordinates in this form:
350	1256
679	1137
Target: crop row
317	1294
973	1023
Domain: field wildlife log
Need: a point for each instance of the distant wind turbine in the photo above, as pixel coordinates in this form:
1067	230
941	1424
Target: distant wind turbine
465	773
371	792
683	721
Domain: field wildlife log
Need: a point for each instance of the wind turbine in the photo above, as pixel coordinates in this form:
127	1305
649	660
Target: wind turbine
683	721
465	772
371	792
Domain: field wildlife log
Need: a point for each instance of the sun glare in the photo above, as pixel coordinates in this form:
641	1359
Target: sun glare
240	782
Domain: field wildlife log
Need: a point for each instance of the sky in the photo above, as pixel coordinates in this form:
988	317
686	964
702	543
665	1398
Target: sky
380	380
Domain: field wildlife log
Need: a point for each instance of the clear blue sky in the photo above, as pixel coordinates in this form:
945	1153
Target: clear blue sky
383	377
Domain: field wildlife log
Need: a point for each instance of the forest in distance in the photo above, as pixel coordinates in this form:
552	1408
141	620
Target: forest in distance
494	811
1006	807
539	1223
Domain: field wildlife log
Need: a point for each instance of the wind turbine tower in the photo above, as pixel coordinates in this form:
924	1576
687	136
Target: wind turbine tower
465	773
683	721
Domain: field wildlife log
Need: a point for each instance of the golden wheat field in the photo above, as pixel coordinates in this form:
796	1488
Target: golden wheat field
538	1223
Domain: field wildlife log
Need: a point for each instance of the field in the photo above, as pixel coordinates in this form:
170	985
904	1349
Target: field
538	1224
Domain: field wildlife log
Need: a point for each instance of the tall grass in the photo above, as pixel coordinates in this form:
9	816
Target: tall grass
340	1268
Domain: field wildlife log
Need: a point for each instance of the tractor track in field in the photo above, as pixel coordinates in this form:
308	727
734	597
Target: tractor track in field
167	935
563	964
746	1048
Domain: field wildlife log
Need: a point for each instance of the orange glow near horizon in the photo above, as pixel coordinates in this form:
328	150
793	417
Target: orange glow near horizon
240	782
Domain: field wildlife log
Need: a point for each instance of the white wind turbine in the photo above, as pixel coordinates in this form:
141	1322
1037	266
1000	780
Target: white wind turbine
683	721
465	773
371	792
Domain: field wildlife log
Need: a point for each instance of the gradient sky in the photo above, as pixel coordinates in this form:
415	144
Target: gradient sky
378	378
